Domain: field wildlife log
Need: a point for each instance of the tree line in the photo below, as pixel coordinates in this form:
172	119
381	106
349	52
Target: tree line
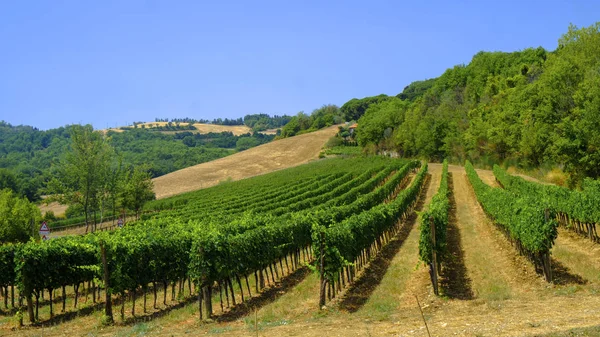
91	178
528	108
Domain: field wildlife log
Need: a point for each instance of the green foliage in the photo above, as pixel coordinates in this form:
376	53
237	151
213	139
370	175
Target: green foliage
244	143
213	234
7	264
8	181
521	216
325	116
137	189
261	122
581	205
416	89
344	151
84	169
438	212
355	108
55	263
19	218
533	107
379	120
344	240
28	154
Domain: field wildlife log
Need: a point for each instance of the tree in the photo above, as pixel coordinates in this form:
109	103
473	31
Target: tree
8	180
113	185
244	143
378	118
18	218
83	170
137	190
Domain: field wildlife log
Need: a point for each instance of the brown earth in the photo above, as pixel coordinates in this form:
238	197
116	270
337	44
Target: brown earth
55	207
203	128
258	160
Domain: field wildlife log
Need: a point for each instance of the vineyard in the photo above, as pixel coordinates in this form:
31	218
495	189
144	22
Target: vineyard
337	243
209	238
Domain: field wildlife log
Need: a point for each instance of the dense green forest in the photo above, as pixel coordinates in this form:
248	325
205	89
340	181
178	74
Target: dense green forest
529	108
325	116
27	154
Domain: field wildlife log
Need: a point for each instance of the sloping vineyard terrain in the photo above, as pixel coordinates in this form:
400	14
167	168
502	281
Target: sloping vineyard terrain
328	248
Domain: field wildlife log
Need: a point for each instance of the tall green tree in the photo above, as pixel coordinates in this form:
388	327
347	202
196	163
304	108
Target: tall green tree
83	171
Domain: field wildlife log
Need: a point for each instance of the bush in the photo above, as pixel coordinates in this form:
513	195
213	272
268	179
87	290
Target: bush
334	141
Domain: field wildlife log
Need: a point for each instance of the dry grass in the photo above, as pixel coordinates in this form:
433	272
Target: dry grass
235	129
557	177
262	159
201	128
55	207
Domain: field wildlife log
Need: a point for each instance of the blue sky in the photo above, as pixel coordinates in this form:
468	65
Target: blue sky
110	63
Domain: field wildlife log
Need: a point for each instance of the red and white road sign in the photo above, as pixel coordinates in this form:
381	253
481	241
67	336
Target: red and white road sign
44	231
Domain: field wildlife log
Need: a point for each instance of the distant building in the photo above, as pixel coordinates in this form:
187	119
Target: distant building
352	127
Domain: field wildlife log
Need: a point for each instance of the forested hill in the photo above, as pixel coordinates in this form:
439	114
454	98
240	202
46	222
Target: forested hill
27	154
530	108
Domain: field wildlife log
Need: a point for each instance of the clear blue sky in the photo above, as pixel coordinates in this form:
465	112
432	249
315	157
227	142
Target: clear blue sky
111	63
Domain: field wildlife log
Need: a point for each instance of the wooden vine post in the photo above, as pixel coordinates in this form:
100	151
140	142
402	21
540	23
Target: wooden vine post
434	265
547	254
108	300
323	286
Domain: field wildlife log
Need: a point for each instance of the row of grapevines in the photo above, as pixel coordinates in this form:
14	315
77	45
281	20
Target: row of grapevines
438	213
167	250
199	208
195	212
345	242
575	209
324	212
224	193
210	203
523	219
54	264
332	197
216	256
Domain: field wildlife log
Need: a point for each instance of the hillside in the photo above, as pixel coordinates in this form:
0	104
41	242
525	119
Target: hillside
262	159
531	108
28	154
203	128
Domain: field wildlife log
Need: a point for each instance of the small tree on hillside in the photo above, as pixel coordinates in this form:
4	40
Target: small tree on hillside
137	190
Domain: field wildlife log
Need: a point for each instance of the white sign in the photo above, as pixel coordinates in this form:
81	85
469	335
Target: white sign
44	231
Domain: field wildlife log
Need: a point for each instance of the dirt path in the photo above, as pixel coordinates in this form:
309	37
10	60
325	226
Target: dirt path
496	272
397	279
487	177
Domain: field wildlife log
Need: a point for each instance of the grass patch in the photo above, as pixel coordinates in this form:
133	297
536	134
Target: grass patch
219	330
577	262
300	300
567	290
576	332
343	151
496	292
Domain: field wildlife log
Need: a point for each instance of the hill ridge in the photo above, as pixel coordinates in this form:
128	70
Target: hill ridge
276	155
